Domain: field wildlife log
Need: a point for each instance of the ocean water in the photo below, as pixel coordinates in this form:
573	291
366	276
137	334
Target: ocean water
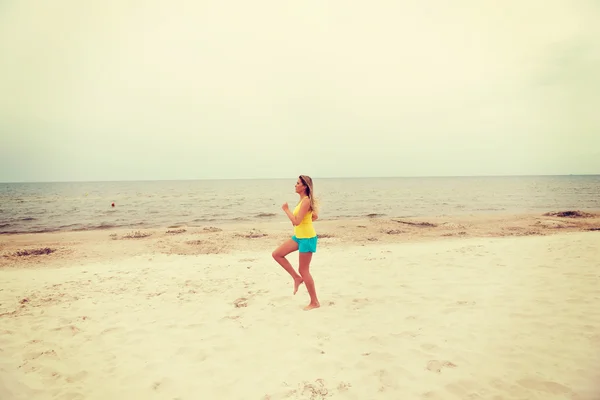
46	207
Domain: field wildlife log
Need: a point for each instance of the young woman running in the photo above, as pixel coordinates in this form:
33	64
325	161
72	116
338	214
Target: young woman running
304	239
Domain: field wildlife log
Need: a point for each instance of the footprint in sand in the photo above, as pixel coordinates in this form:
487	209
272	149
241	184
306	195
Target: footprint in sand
36	355
465	303
79	376
438	365
360	303
407	334
69	328
343	387
459	305
110	330
241	302
545	386
162	385
315	391
309	390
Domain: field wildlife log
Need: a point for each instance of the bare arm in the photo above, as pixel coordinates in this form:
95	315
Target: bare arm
296	219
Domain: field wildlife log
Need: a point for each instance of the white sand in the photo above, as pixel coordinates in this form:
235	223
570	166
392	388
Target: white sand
475	318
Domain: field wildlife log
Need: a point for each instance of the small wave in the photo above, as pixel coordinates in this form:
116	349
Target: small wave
265	215
13	222
200	220
95	227
106	213
68	227
374	215
32	230
105	225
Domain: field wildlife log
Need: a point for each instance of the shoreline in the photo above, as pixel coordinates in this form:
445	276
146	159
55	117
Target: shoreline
275	218
265	235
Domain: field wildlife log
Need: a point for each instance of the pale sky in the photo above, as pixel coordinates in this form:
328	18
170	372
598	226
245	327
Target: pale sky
128	90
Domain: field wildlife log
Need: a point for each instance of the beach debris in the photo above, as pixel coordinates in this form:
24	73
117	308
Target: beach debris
569	214
424	224
375	215
530	233
175	231
461	233
311	391
553	224
212	229
136	235
325	236
200	247
452	225
523	231
316	390
265	215
253	234
394	231
33	252
593	229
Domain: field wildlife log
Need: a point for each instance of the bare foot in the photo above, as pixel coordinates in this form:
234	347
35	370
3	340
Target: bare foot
297	283
311	306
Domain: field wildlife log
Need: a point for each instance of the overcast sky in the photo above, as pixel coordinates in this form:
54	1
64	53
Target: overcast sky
126	90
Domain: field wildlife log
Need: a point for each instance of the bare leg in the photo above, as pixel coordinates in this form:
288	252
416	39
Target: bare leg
279	255
305	259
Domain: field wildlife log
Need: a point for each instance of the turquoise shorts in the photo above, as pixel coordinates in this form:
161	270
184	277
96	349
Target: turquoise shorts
306	245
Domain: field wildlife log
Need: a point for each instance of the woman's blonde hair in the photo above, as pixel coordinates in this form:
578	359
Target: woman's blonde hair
310	192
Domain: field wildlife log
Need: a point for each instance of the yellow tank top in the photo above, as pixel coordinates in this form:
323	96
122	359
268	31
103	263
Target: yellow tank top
305	229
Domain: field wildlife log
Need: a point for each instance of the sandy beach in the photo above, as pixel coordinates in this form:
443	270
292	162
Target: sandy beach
496	307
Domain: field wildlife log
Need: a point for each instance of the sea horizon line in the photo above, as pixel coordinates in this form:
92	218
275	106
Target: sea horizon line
291	177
